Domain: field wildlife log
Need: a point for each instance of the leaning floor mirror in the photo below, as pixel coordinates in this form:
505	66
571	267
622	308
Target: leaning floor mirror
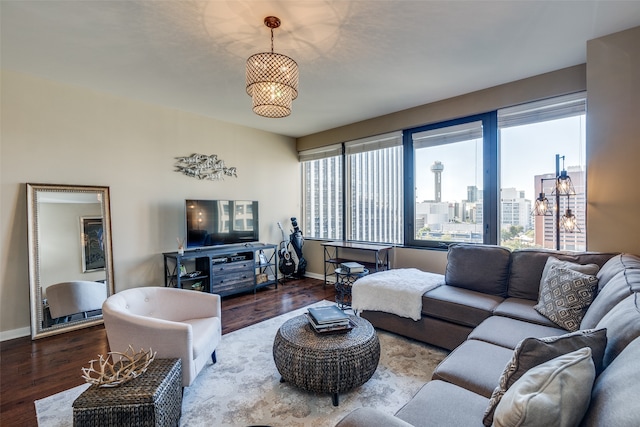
70	258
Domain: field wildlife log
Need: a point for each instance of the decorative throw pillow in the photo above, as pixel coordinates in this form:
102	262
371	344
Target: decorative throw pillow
531	352
556	393
590	269
565	295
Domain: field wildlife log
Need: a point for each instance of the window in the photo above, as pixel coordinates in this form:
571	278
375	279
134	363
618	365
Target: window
446	198
531	135
374	189
472	179
322	192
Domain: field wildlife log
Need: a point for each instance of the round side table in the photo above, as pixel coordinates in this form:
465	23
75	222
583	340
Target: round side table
344	282
326	363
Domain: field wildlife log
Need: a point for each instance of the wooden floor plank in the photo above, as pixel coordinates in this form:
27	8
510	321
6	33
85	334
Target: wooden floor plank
31	370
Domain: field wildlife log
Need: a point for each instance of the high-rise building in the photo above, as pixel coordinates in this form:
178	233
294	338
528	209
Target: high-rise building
472	193
515	209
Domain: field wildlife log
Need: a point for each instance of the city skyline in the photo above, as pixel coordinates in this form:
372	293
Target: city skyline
537	142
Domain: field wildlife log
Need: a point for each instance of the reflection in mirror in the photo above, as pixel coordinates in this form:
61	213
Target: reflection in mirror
70	259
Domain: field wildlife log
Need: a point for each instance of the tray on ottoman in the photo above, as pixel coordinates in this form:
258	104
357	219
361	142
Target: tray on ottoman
152	399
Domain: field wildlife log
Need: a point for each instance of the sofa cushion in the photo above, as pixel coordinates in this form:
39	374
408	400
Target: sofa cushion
370	417
458	305
618	288
555	393
475	365
438	332
565	296
614	389
532	352
508	333
616	264
439	403
527	266
521	309
482	268
623	326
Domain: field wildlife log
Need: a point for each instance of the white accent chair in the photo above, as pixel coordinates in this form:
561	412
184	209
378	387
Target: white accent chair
68	298
175	323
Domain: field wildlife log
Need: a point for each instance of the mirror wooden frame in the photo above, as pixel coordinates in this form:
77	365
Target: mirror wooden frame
36	192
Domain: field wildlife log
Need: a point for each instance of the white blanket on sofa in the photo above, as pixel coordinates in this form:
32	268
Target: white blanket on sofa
396	291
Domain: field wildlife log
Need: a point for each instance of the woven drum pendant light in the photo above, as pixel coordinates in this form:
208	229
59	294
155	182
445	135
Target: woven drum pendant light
272	79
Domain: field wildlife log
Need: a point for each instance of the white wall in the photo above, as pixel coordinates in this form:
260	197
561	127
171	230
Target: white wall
59	134
613	142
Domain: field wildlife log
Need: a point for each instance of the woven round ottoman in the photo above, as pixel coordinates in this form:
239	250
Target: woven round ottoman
332	363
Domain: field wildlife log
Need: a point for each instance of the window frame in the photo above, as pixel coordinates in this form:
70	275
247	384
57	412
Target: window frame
491	196
363	146
491	172
538	112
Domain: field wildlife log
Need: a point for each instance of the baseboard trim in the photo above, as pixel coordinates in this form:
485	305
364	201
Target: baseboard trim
314	275
15	333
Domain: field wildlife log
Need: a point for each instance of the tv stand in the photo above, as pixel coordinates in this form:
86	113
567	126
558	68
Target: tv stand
223	270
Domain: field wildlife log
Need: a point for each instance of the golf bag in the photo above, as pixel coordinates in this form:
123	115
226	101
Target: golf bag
297	242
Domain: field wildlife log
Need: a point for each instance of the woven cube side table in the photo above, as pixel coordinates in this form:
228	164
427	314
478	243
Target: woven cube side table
153	399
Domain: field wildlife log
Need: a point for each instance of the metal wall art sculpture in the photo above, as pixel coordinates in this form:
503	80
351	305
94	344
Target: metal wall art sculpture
202	166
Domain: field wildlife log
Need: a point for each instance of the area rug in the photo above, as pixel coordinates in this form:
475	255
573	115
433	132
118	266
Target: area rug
244	387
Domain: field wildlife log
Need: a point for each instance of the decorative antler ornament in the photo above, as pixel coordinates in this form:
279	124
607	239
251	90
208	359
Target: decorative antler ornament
118	368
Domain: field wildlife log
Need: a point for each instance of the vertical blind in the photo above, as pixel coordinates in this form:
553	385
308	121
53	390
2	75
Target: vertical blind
374	206
556	108
320	153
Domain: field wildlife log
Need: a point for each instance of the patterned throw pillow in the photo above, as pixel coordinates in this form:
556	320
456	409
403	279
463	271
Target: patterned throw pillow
590	269
565	296
531	352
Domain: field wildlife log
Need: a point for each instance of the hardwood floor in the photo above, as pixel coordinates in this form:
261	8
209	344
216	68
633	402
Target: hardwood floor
31	370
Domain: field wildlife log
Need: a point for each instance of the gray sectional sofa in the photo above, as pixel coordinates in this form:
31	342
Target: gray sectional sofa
486	310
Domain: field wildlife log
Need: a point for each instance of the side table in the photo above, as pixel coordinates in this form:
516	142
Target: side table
344	282
153	399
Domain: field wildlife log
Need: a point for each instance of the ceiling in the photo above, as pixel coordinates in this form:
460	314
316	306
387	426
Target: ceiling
357	59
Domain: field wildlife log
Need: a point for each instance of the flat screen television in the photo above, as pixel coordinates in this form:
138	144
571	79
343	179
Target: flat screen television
221	222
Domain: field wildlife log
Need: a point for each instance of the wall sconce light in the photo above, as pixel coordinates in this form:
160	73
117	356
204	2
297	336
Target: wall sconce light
563	188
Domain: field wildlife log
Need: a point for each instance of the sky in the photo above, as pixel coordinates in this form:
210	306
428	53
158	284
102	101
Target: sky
525	151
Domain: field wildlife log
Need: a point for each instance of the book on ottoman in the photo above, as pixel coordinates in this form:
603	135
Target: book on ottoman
330	328
328	314
328	319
